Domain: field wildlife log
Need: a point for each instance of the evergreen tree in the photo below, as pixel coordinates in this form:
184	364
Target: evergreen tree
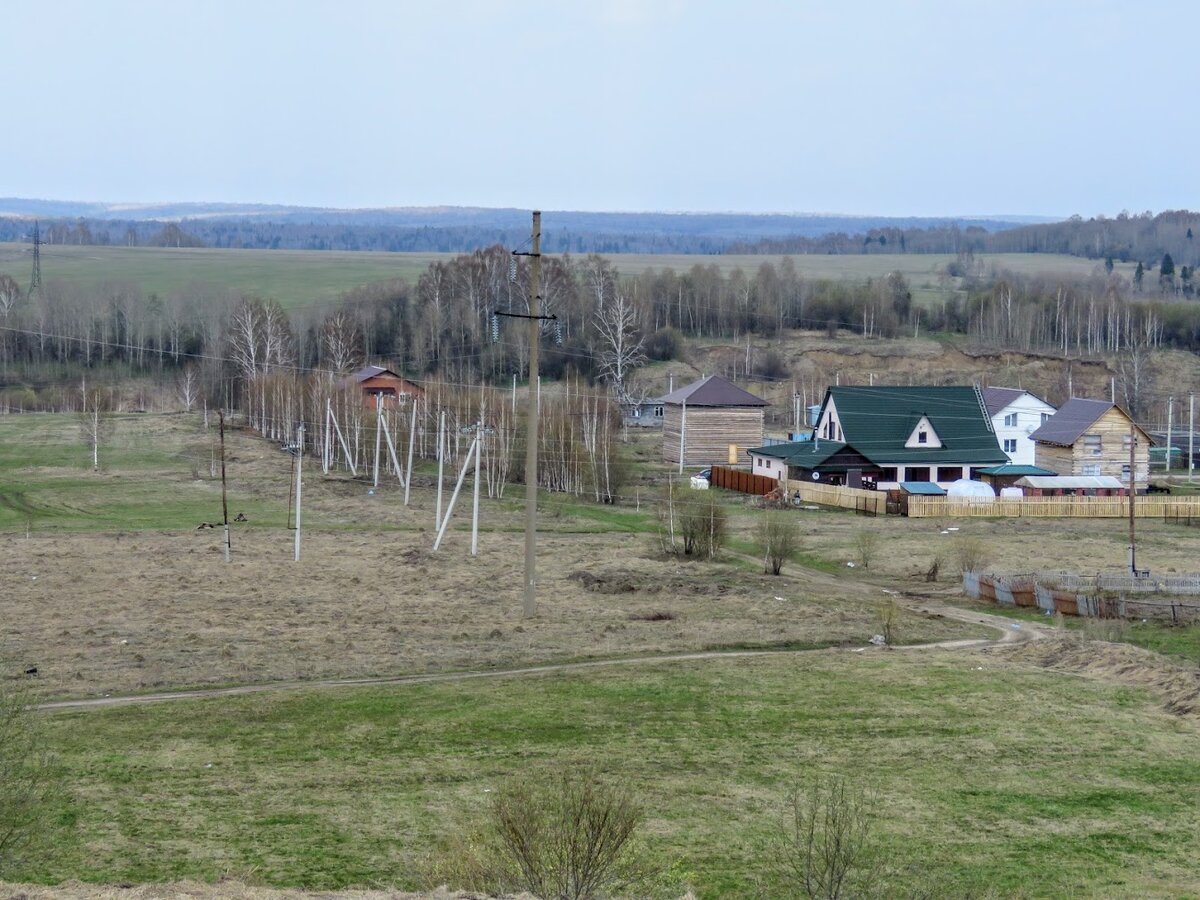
1138	275
1108	264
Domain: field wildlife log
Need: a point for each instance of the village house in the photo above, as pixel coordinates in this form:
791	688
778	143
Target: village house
1092	437
1015	415
912	434
382	387
705	419
815	462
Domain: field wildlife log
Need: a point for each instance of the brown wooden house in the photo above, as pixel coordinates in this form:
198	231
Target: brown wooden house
383	387
704	419
1092	437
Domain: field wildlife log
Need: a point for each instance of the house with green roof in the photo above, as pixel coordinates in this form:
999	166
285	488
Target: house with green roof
921	433
815	461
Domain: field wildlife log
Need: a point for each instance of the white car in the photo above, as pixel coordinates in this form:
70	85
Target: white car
700	480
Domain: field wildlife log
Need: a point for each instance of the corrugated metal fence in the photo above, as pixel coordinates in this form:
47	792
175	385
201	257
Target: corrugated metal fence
1085	595
745	482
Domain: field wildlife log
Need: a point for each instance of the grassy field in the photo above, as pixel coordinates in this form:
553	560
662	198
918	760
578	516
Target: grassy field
990	775
987	778
299	278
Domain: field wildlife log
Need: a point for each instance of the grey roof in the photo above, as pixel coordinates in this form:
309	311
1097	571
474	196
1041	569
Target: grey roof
1077	482
1073	418
712	390
369	372
996	398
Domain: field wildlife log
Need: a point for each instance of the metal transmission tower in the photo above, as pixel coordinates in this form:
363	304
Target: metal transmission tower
35	281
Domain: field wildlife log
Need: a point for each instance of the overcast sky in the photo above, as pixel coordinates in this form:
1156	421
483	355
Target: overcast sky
891	108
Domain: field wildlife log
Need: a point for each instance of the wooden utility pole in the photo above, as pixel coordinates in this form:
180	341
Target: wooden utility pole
224	502
531	432
1191	432
1132	492
299	467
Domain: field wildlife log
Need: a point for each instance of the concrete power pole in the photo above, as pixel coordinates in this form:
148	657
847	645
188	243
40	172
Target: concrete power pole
299	467
531	433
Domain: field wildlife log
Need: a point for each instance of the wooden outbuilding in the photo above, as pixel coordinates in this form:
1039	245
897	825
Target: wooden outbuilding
703	420
383	387
1092	438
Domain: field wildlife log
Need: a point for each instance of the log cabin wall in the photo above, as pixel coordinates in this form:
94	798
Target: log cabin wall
709	432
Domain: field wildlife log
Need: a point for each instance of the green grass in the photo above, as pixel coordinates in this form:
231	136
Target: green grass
1178	642
998	779
299	278
147	464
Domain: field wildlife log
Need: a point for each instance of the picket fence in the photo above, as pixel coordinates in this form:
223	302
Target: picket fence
1052	507
870	503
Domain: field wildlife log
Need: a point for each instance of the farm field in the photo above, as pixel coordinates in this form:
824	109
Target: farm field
988	777
299	278
1000	771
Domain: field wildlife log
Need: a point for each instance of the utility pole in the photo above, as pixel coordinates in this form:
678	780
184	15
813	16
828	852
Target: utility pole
1191	432
35	280
224	502
1132	492
1167	457
531	433
299	467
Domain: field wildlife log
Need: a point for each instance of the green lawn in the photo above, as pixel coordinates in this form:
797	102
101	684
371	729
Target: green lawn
987	779
298	278
155	473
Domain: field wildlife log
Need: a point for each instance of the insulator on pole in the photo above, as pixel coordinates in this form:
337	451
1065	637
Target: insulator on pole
512	269
558	332
495	329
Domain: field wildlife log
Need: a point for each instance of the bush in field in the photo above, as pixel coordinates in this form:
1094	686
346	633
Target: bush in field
691	523
970	553
865	542
779	536
563	837
887	615
824	846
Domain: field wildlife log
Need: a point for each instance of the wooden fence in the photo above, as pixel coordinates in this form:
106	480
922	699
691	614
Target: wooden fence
869	503
1052	507
745	482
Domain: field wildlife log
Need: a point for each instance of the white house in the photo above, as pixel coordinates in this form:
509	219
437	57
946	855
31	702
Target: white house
1015	415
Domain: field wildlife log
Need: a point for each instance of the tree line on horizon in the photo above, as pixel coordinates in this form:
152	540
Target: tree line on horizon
1143	237
604	327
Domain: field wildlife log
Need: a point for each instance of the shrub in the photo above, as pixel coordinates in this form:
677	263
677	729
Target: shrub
970	553
824	848
772	365
703	525
865	542
779	536
887	614
561	837
664	344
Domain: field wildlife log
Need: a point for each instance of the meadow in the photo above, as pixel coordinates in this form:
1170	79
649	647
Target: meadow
299	278
992	772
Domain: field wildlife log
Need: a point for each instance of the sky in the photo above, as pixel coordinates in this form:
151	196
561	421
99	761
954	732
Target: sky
876	108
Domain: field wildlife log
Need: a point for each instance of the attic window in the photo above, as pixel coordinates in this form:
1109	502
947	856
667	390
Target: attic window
1092	445
922	437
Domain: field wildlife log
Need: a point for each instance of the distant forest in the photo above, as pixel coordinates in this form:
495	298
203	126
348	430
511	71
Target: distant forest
1144	237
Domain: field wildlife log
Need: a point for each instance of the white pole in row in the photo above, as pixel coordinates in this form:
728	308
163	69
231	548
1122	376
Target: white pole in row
441	455
299	466
474	448
412	434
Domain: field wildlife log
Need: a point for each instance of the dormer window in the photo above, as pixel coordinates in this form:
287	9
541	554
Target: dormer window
922	437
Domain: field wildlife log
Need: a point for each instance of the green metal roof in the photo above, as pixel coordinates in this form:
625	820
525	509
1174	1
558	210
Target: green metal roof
1014	469
801	453
926	488
877	422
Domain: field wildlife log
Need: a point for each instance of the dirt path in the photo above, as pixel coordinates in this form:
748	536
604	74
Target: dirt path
1012	632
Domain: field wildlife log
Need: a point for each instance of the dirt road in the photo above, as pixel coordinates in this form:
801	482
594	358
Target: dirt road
1011	632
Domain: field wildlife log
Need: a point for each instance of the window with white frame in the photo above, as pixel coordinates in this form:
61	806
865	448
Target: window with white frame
1092	445
1010	420
1010	445
1091	468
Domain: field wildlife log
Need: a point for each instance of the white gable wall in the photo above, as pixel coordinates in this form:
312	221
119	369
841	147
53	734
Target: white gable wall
829	427
1025	415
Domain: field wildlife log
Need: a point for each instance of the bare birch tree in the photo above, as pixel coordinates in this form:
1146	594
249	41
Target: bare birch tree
622	347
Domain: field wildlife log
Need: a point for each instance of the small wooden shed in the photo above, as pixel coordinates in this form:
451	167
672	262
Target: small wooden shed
383	387
704	419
